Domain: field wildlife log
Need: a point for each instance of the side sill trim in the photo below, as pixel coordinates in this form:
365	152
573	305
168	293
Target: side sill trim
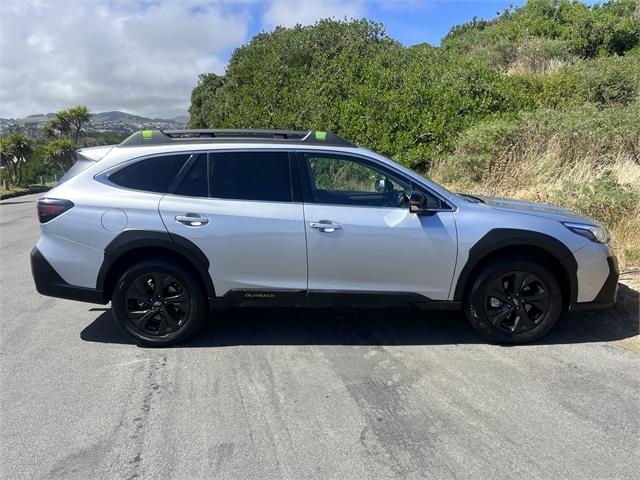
327	298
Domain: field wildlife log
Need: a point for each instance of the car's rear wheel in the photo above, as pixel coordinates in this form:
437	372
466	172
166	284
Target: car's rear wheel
158	303
514	300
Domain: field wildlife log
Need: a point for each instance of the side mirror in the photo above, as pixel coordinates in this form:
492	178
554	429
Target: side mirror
380	185
417	202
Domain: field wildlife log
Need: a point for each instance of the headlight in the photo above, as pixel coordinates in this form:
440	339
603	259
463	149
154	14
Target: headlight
594	233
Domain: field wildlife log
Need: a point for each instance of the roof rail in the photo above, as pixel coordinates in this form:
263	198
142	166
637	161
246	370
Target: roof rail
222	135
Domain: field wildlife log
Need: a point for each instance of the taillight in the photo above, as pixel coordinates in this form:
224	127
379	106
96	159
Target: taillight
50	208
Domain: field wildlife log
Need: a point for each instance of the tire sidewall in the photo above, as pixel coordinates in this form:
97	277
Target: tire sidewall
474	301
194	318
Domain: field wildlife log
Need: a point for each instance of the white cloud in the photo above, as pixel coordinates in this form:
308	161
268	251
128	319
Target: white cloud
290	12
140	56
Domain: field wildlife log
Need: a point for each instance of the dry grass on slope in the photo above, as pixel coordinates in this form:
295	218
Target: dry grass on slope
585	159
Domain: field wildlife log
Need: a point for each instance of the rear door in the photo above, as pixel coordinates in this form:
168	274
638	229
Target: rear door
238	207
361	236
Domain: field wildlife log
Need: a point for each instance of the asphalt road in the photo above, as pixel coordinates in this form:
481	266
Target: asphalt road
304	394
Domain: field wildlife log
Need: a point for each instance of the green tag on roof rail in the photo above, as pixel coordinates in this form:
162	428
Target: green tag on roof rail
147	134
321	136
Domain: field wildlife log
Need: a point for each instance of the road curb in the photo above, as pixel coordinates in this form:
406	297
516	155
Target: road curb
20	193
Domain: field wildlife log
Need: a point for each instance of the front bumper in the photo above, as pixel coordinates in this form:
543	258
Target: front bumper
608	294
50	283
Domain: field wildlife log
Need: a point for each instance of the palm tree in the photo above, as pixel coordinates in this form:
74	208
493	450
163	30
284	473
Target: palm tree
61	152
68	122
15	150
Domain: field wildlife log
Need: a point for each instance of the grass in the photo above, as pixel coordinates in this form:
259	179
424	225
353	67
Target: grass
586	159
20	189
11	189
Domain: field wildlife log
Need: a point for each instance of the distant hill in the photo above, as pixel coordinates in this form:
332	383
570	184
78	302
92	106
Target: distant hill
117	116
111	116
181	119
115	121
38	117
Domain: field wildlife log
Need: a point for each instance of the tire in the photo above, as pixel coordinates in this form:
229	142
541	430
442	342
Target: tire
505	313
158	303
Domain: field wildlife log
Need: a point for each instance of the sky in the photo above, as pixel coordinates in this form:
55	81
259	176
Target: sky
144	56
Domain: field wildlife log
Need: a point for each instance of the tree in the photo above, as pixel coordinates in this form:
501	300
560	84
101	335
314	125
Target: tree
349	77
65	129
68	123
203	99
15	150
61	152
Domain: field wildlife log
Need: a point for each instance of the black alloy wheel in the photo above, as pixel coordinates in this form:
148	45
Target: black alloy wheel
157	303
516	302
513	300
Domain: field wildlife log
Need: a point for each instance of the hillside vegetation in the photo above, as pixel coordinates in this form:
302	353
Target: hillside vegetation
540	103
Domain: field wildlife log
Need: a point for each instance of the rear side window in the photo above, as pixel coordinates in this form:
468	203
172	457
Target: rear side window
256	175
153	174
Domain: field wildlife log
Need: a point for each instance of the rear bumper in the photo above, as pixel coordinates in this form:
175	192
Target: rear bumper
608	294
50	283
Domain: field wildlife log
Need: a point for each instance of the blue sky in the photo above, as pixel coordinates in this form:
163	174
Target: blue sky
432	22
418	21
144	56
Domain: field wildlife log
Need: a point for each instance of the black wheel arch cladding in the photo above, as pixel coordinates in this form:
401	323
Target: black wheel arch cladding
130	240
502	238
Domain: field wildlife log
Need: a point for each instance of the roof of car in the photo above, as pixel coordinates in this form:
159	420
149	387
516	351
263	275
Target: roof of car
223	135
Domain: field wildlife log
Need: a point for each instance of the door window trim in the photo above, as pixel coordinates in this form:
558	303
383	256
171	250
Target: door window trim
295	186
305	178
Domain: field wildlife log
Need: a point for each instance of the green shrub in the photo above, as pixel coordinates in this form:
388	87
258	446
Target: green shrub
541	55
588	31
352	79
545	139
556	90
609	80
471	167
602	198
478	149
603	81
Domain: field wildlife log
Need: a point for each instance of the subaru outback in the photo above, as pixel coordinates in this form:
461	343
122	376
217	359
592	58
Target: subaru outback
170	226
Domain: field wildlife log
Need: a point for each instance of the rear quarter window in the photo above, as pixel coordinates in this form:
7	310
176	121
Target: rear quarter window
153	174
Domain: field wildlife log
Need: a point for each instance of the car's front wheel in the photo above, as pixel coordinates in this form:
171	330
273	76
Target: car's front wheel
514	300
158	303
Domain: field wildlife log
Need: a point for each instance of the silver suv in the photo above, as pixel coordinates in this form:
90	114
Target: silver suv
172	225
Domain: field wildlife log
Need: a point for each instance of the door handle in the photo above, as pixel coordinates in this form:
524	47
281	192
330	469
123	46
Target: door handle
192	220
326	226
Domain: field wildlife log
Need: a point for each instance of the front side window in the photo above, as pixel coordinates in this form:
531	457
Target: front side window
153	174
347	181
263	176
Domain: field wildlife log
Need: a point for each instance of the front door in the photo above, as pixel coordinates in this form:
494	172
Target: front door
237	207
361	236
